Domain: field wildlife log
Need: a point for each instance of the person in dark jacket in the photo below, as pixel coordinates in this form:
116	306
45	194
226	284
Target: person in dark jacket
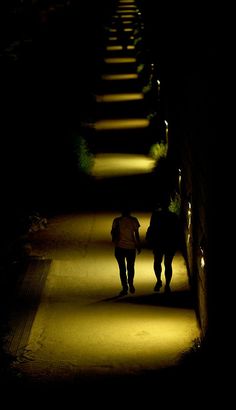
162	237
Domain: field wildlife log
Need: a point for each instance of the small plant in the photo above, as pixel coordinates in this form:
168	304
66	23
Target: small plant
137	40
140	68
83	156
158	150
147	87
175	204
151	115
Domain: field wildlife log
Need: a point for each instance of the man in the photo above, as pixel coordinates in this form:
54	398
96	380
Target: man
125	236
162	237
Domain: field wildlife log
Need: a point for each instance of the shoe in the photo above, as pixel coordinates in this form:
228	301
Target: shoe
167	289
123	292
132	289
158	286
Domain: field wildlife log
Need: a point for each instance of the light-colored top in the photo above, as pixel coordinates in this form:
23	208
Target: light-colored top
128	237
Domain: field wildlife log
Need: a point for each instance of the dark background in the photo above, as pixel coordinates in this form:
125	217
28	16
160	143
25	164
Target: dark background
48	56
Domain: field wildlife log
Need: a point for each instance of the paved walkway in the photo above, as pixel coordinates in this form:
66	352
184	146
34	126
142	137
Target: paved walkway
71	327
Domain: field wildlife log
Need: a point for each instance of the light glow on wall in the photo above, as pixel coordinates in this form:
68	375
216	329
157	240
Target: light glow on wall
113	165
189	215
114	48
119	97
112	77
202	258
119	77
118	124
120	60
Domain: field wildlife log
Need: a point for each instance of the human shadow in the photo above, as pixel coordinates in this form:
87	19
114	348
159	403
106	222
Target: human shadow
175	299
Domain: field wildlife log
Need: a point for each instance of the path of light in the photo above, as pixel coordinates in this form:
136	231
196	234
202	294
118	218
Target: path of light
112	38
121	124
128	76
120	60
114	48
127	1
126	6
128	29
127	14
81	326
128	10
119	97
112	165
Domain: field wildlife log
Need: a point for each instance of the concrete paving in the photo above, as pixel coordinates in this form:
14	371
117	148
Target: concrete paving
71	326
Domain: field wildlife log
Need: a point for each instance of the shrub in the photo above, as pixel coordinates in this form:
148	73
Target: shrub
175	204
158	150
84	157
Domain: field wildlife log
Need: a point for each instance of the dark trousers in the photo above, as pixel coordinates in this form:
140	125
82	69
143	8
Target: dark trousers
168	256
126	261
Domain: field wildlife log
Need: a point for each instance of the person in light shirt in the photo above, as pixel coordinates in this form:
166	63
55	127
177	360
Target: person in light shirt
126	239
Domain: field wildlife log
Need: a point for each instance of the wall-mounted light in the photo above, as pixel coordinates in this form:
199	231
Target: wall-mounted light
202	258
179	178
167	134
189	215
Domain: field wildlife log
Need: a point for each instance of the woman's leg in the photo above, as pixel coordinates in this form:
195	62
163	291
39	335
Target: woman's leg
130	257
168	268
158	255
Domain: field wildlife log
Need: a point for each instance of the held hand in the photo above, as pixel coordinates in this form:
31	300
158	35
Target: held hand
138	250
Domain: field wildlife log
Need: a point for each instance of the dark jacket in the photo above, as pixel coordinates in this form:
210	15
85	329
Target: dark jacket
163	230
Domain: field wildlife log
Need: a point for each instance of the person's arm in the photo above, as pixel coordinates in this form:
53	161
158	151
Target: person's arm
137	240
115	231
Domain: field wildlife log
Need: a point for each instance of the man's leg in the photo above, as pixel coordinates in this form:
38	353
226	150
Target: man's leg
131	255
120	257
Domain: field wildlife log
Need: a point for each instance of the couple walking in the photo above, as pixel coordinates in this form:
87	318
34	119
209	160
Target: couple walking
161	236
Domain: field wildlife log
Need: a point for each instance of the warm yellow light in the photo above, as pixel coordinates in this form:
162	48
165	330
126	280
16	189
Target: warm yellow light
112	38
114	48
80	327
202	259
103	125
111	77
125	16
180	178
120	60
189	214
130	47
119	97
125	6
112	165
128	29
127	22
202	262
126	11
113	30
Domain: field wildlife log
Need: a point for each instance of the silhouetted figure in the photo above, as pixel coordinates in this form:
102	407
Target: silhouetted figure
125	236
162	237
